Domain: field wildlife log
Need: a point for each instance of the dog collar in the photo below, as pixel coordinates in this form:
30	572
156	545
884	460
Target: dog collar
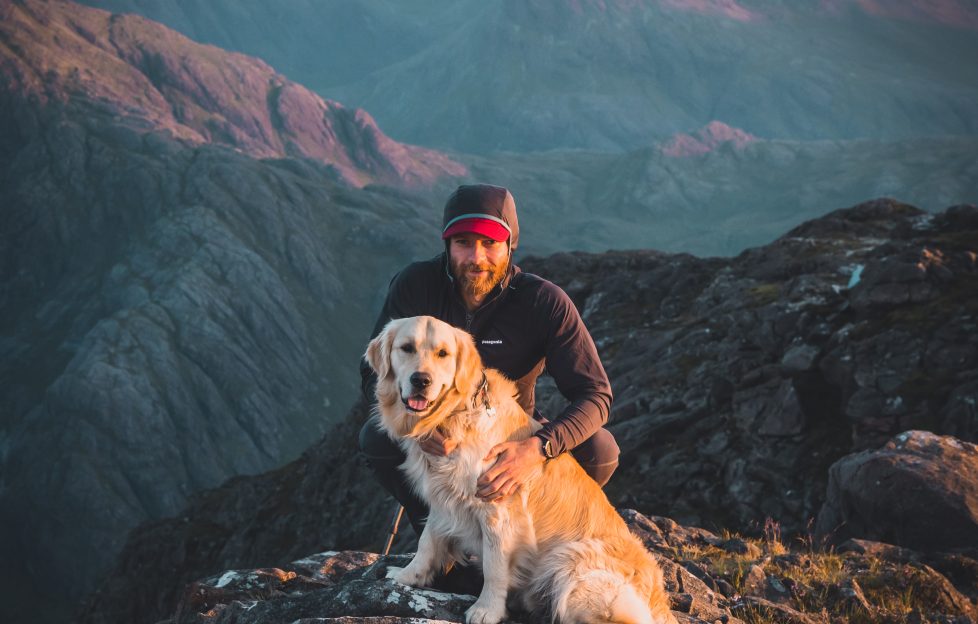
482	395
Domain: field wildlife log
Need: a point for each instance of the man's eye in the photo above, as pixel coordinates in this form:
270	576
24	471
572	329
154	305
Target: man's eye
407	348
442	353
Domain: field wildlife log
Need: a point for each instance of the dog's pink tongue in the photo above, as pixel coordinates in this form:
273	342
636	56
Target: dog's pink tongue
417	404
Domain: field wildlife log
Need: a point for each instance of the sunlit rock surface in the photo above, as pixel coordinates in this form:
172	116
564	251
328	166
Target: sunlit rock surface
709	579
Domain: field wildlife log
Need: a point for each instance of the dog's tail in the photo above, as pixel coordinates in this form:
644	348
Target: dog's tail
589	582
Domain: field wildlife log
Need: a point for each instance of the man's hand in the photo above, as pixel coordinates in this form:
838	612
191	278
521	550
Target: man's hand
515	463
437	444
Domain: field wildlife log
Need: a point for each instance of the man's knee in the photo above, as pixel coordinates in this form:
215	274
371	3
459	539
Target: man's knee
598	455
377	447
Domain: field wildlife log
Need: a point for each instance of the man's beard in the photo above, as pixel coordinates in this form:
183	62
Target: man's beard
480	286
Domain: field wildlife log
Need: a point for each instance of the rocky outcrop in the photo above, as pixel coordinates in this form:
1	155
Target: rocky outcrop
709	579
919	490
739	381
733	378
353	584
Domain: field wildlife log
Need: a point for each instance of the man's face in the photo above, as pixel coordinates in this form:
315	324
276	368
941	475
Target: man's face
478	263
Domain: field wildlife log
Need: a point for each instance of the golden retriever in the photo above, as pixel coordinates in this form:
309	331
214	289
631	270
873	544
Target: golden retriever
557	544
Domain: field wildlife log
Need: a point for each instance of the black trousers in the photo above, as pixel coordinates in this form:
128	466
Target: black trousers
598	455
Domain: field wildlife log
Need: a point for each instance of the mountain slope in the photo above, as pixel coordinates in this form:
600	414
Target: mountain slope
731	195
619	75
152	76
615	75
176	306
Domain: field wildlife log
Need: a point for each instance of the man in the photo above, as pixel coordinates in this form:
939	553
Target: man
520	323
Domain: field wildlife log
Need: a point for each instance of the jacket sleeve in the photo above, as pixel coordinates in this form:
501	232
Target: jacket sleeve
397	304
573	362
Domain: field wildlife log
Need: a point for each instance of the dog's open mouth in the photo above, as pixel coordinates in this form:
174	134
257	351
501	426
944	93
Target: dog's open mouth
417	403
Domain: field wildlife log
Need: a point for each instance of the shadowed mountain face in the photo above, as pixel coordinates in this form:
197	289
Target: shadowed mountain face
172	316
173	310
618	75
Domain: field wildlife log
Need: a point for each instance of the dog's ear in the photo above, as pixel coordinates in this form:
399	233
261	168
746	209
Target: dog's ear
378	353
468	364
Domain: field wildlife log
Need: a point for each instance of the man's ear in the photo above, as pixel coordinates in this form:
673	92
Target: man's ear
468	364
378	353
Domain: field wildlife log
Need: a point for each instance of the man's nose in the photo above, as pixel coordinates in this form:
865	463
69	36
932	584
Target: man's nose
478	252
420	380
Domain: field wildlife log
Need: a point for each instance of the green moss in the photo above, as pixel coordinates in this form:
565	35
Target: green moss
764	294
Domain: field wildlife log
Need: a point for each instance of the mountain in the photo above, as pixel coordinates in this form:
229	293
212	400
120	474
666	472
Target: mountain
738	383
717	190
618	75
188	267
193	249
319	44
157	79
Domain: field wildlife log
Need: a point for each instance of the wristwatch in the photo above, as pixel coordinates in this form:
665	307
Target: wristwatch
547	448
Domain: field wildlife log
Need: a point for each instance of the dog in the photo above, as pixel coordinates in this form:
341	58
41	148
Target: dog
555	544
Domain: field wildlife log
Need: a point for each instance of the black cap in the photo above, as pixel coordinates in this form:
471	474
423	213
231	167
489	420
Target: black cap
485	201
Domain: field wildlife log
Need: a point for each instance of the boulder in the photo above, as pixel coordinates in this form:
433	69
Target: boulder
920	491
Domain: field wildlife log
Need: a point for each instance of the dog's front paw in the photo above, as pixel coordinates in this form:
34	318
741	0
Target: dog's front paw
484	612
408	576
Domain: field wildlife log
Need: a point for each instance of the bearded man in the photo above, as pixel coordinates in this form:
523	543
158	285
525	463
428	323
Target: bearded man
521	324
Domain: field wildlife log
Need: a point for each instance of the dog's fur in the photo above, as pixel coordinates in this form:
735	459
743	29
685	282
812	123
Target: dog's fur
557	543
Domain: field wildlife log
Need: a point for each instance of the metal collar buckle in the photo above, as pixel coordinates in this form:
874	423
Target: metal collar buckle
482	394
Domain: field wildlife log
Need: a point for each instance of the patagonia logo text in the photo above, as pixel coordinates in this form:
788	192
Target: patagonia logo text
487	342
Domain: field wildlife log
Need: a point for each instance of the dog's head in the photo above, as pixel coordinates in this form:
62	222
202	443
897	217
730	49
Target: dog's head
427	367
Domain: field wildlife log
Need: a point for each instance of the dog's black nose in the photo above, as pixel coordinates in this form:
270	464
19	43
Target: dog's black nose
420	380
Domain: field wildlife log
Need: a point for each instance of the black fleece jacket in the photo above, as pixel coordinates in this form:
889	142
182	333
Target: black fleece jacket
525	324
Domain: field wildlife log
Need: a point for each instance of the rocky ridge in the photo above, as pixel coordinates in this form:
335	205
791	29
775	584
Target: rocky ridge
739	381
151	77
709	579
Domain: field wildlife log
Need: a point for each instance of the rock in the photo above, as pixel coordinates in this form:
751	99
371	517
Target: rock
799	359
848	597
784	416
776	590
920	491
752	606
352	587
741	547
755	581
369	620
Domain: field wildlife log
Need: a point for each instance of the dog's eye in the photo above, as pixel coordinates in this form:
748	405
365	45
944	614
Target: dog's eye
407	348
443	353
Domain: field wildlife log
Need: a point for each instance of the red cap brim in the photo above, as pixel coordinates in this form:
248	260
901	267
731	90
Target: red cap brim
482	227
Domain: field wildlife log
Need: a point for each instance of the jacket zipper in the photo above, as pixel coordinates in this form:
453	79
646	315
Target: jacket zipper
470	316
